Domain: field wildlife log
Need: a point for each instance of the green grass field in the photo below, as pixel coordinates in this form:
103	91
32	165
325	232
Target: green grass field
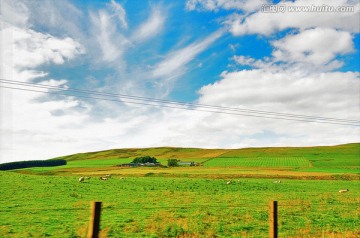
58	206
189	201
259	162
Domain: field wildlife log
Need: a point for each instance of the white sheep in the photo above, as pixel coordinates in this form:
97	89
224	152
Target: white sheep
343	190
81	179
277	181
228	182
103	178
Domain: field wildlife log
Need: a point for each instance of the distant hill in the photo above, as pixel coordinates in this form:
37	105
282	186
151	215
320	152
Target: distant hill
329	156
158	152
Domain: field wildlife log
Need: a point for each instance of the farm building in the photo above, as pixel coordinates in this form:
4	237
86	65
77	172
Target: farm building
140	165
129	165
187	163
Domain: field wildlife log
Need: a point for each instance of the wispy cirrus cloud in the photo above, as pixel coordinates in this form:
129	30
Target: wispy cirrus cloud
111	42
119	12
175	61
215	5
59	18
152	26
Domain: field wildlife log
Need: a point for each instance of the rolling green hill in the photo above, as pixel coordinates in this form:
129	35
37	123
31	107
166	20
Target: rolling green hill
347	155
159	152
327	162
347	151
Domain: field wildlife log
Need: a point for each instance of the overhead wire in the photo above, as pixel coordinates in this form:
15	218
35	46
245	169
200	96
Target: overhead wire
89	94
342	121
176	102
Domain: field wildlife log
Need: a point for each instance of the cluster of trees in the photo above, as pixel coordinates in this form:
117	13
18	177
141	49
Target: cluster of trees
173	162
32	163
144	159
149	159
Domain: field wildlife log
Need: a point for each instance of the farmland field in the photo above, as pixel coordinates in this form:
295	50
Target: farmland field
259	162
188	201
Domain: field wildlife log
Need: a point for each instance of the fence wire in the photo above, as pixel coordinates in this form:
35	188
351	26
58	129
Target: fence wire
290	216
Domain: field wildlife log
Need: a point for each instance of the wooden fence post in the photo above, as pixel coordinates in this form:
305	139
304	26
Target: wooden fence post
273	220
94	225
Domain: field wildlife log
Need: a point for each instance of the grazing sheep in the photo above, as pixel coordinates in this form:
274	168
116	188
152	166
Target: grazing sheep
81	179
103	178
343	191
277	181
228	182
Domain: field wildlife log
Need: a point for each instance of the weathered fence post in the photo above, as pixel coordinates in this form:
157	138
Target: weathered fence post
94	225
273	220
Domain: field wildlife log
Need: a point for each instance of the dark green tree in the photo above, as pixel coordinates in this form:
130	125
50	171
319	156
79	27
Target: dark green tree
32	163
144	159
173	162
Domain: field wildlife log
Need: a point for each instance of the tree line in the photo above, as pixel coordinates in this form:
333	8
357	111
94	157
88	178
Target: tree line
144	159
32	163
149	159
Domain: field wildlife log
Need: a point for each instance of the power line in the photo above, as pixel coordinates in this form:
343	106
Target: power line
172	104
176	102
59	90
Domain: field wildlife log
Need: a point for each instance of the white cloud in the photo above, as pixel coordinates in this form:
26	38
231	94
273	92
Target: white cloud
100	31
317	46
58	18
215	5
334	95
176	60
27	48
328	94
312	50
152	26
111	42
27	125
268	23
119	11
267	63
13	13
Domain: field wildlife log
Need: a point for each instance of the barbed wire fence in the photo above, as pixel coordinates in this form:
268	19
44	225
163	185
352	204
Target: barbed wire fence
289	217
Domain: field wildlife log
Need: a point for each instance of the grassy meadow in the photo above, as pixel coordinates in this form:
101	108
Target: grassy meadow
189	201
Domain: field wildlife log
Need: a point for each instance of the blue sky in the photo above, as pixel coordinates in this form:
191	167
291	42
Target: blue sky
222	53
